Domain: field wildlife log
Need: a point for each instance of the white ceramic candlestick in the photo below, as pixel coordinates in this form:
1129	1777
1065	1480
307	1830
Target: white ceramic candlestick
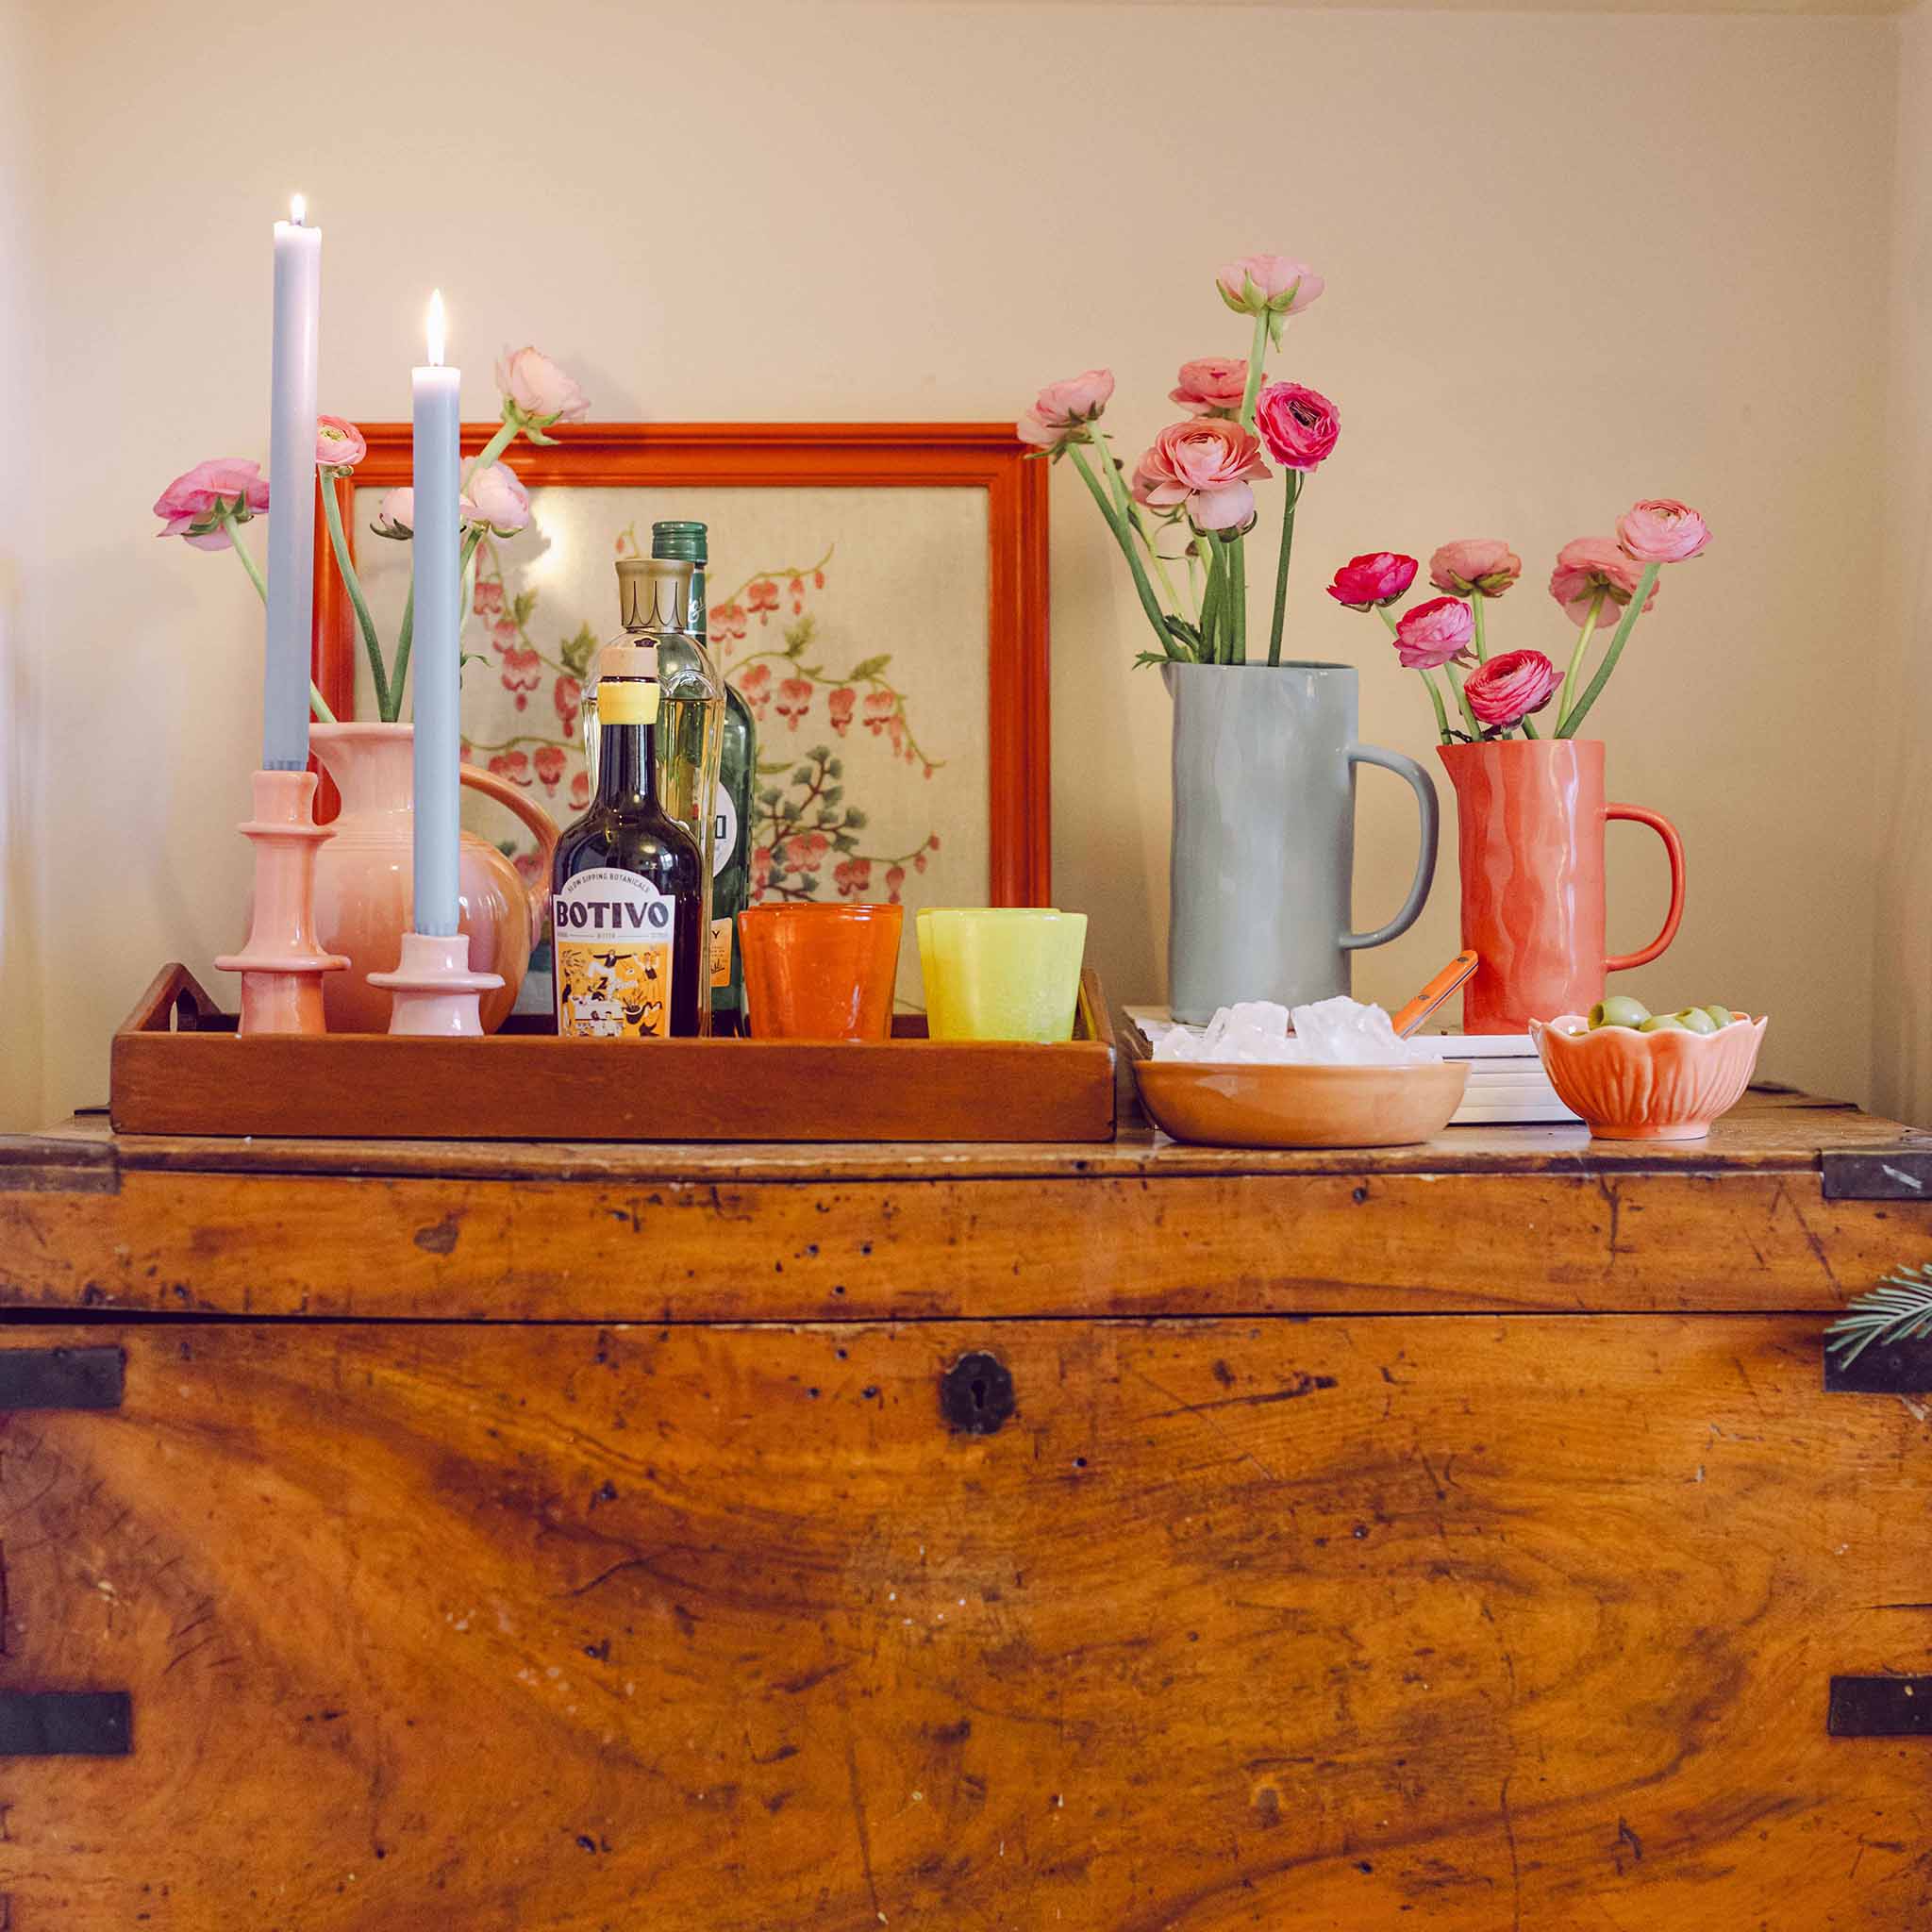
433	989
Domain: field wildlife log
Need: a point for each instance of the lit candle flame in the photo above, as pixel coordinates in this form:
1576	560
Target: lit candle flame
436	330
298	209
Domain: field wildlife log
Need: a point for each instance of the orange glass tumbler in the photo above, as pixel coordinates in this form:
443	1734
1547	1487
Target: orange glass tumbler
816	972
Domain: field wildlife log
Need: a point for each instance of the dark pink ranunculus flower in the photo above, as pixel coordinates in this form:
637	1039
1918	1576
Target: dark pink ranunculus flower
1204	467
1661	530
1480	566
1507	689
1370	582
1434	633
1212	385
1591	565
200	503
1299	425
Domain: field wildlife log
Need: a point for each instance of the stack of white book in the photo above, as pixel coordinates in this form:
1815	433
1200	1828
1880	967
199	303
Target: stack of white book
1507	1081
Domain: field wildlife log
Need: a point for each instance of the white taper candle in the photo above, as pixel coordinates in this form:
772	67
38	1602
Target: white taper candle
291	494
438	477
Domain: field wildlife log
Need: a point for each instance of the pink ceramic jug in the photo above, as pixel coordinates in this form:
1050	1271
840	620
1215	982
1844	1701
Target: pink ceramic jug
363	876
1530	816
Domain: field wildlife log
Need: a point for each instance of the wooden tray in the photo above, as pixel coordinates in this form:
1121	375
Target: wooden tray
178	1068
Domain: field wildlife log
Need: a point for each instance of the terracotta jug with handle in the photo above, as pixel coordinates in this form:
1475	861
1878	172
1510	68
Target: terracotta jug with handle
1530	818
364	875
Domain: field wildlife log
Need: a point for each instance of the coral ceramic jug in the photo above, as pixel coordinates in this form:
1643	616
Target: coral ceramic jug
1530	815
363	876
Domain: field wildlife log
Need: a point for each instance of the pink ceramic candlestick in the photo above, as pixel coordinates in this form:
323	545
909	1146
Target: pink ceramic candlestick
433	989
282	963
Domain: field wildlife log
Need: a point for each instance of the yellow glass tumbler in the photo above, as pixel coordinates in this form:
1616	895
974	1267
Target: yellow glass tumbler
1001	972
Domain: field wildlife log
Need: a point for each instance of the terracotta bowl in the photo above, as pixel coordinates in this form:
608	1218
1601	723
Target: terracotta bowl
1631	1085
1301	1106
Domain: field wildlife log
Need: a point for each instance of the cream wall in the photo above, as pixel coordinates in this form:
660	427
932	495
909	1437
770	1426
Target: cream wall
20	287
1902	1013
1571	261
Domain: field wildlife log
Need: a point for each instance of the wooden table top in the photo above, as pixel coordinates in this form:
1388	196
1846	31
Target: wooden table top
1774	1130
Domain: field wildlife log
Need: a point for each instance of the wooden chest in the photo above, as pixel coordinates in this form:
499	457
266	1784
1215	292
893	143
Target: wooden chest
1127	1539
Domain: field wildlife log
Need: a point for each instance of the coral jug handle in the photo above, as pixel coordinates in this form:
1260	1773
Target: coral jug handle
1675	846
542	828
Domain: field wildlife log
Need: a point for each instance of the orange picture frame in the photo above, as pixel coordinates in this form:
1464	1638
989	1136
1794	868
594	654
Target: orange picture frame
969	456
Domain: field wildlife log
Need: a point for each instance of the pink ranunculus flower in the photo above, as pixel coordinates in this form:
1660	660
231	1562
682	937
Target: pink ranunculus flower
498	502
1478	566
395	515
1270	284
540	390
1202	466
1661	530
1062	407
1589	565
1507	689
1434	633
1371	581
199	504
339	444
1212	385
1299	425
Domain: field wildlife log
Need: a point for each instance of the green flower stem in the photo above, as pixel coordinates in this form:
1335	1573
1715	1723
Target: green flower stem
1124	537
1576	669
1212	600
1236	551
1256	355
1529	729
1295	480
406	637
338	542
490	451
1475	730
317	703
1645	584
248	563
1476	601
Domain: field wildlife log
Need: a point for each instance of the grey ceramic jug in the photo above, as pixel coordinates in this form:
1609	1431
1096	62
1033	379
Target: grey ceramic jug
1263	856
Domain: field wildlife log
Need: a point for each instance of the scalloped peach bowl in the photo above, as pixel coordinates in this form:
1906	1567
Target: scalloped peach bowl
1631	1085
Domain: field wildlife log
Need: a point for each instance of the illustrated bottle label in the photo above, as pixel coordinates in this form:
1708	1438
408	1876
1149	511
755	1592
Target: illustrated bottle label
720	951
614	933
723	830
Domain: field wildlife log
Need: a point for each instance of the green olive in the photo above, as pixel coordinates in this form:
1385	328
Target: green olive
1620	1010
1722	1015
1662	1022
1697	1019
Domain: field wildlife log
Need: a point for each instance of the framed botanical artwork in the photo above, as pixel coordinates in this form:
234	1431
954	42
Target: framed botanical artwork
878	594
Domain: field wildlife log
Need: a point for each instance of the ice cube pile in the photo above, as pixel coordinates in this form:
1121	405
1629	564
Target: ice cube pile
1340	1032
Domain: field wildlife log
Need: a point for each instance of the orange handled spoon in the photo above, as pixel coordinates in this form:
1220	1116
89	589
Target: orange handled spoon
1452	976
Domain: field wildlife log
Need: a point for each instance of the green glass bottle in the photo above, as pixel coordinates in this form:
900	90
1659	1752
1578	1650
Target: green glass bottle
738	765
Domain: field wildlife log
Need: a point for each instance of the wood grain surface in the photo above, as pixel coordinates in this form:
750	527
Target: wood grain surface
603	1248
1473	1625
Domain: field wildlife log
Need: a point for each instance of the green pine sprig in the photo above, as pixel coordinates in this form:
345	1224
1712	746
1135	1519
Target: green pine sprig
1900	1310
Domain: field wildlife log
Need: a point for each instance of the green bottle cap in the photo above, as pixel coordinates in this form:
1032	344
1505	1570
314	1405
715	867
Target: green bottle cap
679	539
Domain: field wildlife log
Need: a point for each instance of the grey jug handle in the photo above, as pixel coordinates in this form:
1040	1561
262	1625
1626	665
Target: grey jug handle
1424	789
